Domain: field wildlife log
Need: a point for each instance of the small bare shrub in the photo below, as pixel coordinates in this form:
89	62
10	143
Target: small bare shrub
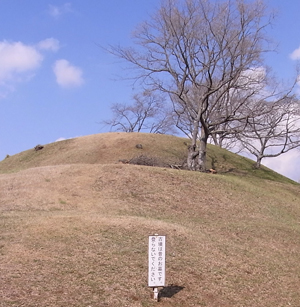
147	161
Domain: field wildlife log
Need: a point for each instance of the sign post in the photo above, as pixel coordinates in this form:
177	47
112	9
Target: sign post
156	263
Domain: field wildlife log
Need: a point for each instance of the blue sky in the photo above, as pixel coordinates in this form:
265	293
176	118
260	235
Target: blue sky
57	83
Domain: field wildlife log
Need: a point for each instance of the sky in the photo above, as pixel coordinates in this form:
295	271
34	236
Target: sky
56	82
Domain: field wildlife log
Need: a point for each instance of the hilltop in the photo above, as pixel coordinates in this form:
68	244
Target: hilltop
110	148
74	224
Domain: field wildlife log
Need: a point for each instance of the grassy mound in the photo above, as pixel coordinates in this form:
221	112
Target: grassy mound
74	226
111	148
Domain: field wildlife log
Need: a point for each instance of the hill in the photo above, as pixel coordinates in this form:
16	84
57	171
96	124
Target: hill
74	225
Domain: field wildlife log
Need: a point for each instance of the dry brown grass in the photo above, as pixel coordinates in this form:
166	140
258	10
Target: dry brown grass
73	232
99	148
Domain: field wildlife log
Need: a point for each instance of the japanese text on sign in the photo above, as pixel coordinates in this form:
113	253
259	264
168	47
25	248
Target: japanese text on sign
156	261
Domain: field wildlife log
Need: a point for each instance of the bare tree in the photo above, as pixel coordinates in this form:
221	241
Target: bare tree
148	113
274	132
198	51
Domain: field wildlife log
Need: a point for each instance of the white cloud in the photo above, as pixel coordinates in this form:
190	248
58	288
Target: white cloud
63	139
253	78
60	139
67	75
18	62
255	74
17	57
50	44
295	55
297	89
57	11
287	164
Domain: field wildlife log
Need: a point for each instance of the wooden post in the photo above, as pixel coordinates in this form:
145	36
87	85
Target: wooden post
155	293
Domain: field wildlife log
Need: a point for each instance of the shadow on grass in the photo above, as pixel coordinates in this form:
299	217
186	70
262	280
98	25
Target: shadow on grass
170	291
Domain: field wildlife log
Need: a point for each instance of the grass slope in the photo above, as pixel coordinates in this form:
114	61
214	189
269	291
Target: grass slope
109	148
74	225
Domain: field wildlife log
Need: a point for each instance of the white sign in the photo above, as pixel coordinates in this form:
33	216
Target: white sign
157	261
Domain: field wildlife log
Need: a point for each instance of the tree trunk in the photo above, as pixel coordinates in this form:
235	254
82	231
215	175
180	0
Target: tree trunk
192	149
191	159
215	139
202	151
258	162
